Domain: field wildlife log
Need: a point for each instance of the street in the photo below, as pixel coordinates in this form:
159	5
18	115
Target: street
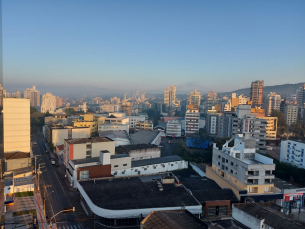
57	195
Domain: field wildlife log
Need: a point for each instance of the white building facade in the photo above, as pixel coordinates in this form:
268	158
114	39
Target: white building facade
48	103
293	152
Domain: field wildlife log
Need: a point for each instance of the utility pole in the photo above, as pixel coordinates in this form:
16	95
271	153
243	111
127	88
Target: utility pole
44	198
38	174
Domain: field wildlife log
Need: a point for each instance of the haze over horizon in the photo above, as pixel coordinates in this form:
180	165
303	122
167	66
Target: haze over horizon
142	45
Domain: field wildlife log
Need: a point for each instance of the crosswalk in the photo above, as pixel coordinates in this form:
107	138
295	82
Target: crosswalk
64	225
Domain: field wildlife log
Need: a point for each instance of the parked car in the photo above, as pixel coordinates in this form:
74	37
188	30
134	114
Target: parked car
52	162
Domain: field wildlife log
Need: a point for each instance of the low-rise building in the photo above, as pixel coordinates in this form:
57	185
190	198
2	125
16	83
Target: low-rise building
135	119
56	134
146	137
81	148
139	151
294	196
292	152
107	108
122	201
144	125
259	216
120	137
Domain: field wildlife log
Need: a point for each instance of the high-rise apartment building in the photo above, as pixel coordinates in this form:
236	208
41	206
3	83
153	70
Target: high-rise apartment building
256	93
291	113
48	103
192	117
33	95
115	101
16	125
273	102
59	102
6	94
301	96
17	94
195	98
211	100
170	96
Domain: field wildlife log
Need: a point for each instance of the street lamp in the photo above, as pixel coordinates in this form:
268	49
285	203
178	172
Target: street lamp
65	210
44	203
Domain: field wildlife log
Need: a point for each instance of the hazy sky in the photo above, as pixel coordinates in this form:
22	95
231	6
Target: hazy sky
148	45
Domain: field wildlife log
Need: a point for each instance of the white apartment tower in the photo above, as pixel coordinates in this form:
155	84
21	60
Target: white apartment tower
6	94
291	114
17	94
48	103
273	103
192	117
16	125
33	95
211	99
195	99
170	95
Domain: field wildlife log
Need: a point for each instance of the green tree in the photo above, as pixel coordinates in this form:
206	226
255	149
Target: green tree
70	111
282	126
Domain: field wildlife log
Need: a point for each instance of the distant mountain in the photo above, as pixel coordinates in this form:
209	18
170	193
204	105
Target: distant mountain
283	90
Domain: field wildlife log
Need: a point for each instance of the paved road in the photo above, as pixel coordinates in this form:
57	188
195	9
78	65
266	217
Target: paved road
57	194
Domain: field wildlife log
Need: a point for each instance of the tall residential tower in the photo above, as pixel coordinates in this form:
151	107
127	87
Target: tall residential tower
256	93
170	95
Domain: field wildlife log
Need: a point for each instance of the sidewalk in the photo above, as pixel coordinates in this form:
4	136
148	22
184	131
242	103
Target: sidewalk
43	224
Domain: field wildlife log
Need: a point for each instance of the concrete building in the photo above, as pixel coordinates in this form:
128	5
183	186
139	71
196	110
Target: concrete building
6	94
191	121
16	125
300	96
33	95
146	137
108	108
144	125
261	216
257	93
139	151
170	96
294	196
59	102
195	98
127	109
120	137
48	103
115	100
90	120
271	128
17	94
135	119
124	206
241	169
211	100
173	129
254	126
214	124
273	102
291	113
56	134
292	152
81	148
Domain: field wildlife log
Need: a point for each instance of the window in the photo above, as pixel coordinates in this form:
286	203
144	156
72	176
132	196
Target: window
218	163
232	163
124	164
226	160
231	171
88	153
218	156
172	164
116	166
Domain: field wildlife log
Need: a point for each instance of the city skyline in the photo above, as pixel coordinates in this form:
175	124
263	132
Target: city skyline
190	45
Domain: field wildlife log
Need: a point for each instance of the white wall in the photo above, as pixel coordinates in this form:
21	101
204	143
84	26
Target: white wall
246	219
144	154
24	188
80	133
16	124
118	163
297	148
151	169
58	136
79	150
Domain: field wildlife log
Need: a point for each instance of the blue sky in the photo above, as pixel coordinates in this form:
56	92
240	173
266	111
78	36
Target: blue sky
148	45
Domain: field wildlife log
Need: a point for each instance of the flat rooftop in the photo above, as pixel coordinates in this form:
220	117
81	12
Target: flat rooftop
85	140
136	193
203	188
281	184
86	160
127	148
114	134
153	161
119	156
